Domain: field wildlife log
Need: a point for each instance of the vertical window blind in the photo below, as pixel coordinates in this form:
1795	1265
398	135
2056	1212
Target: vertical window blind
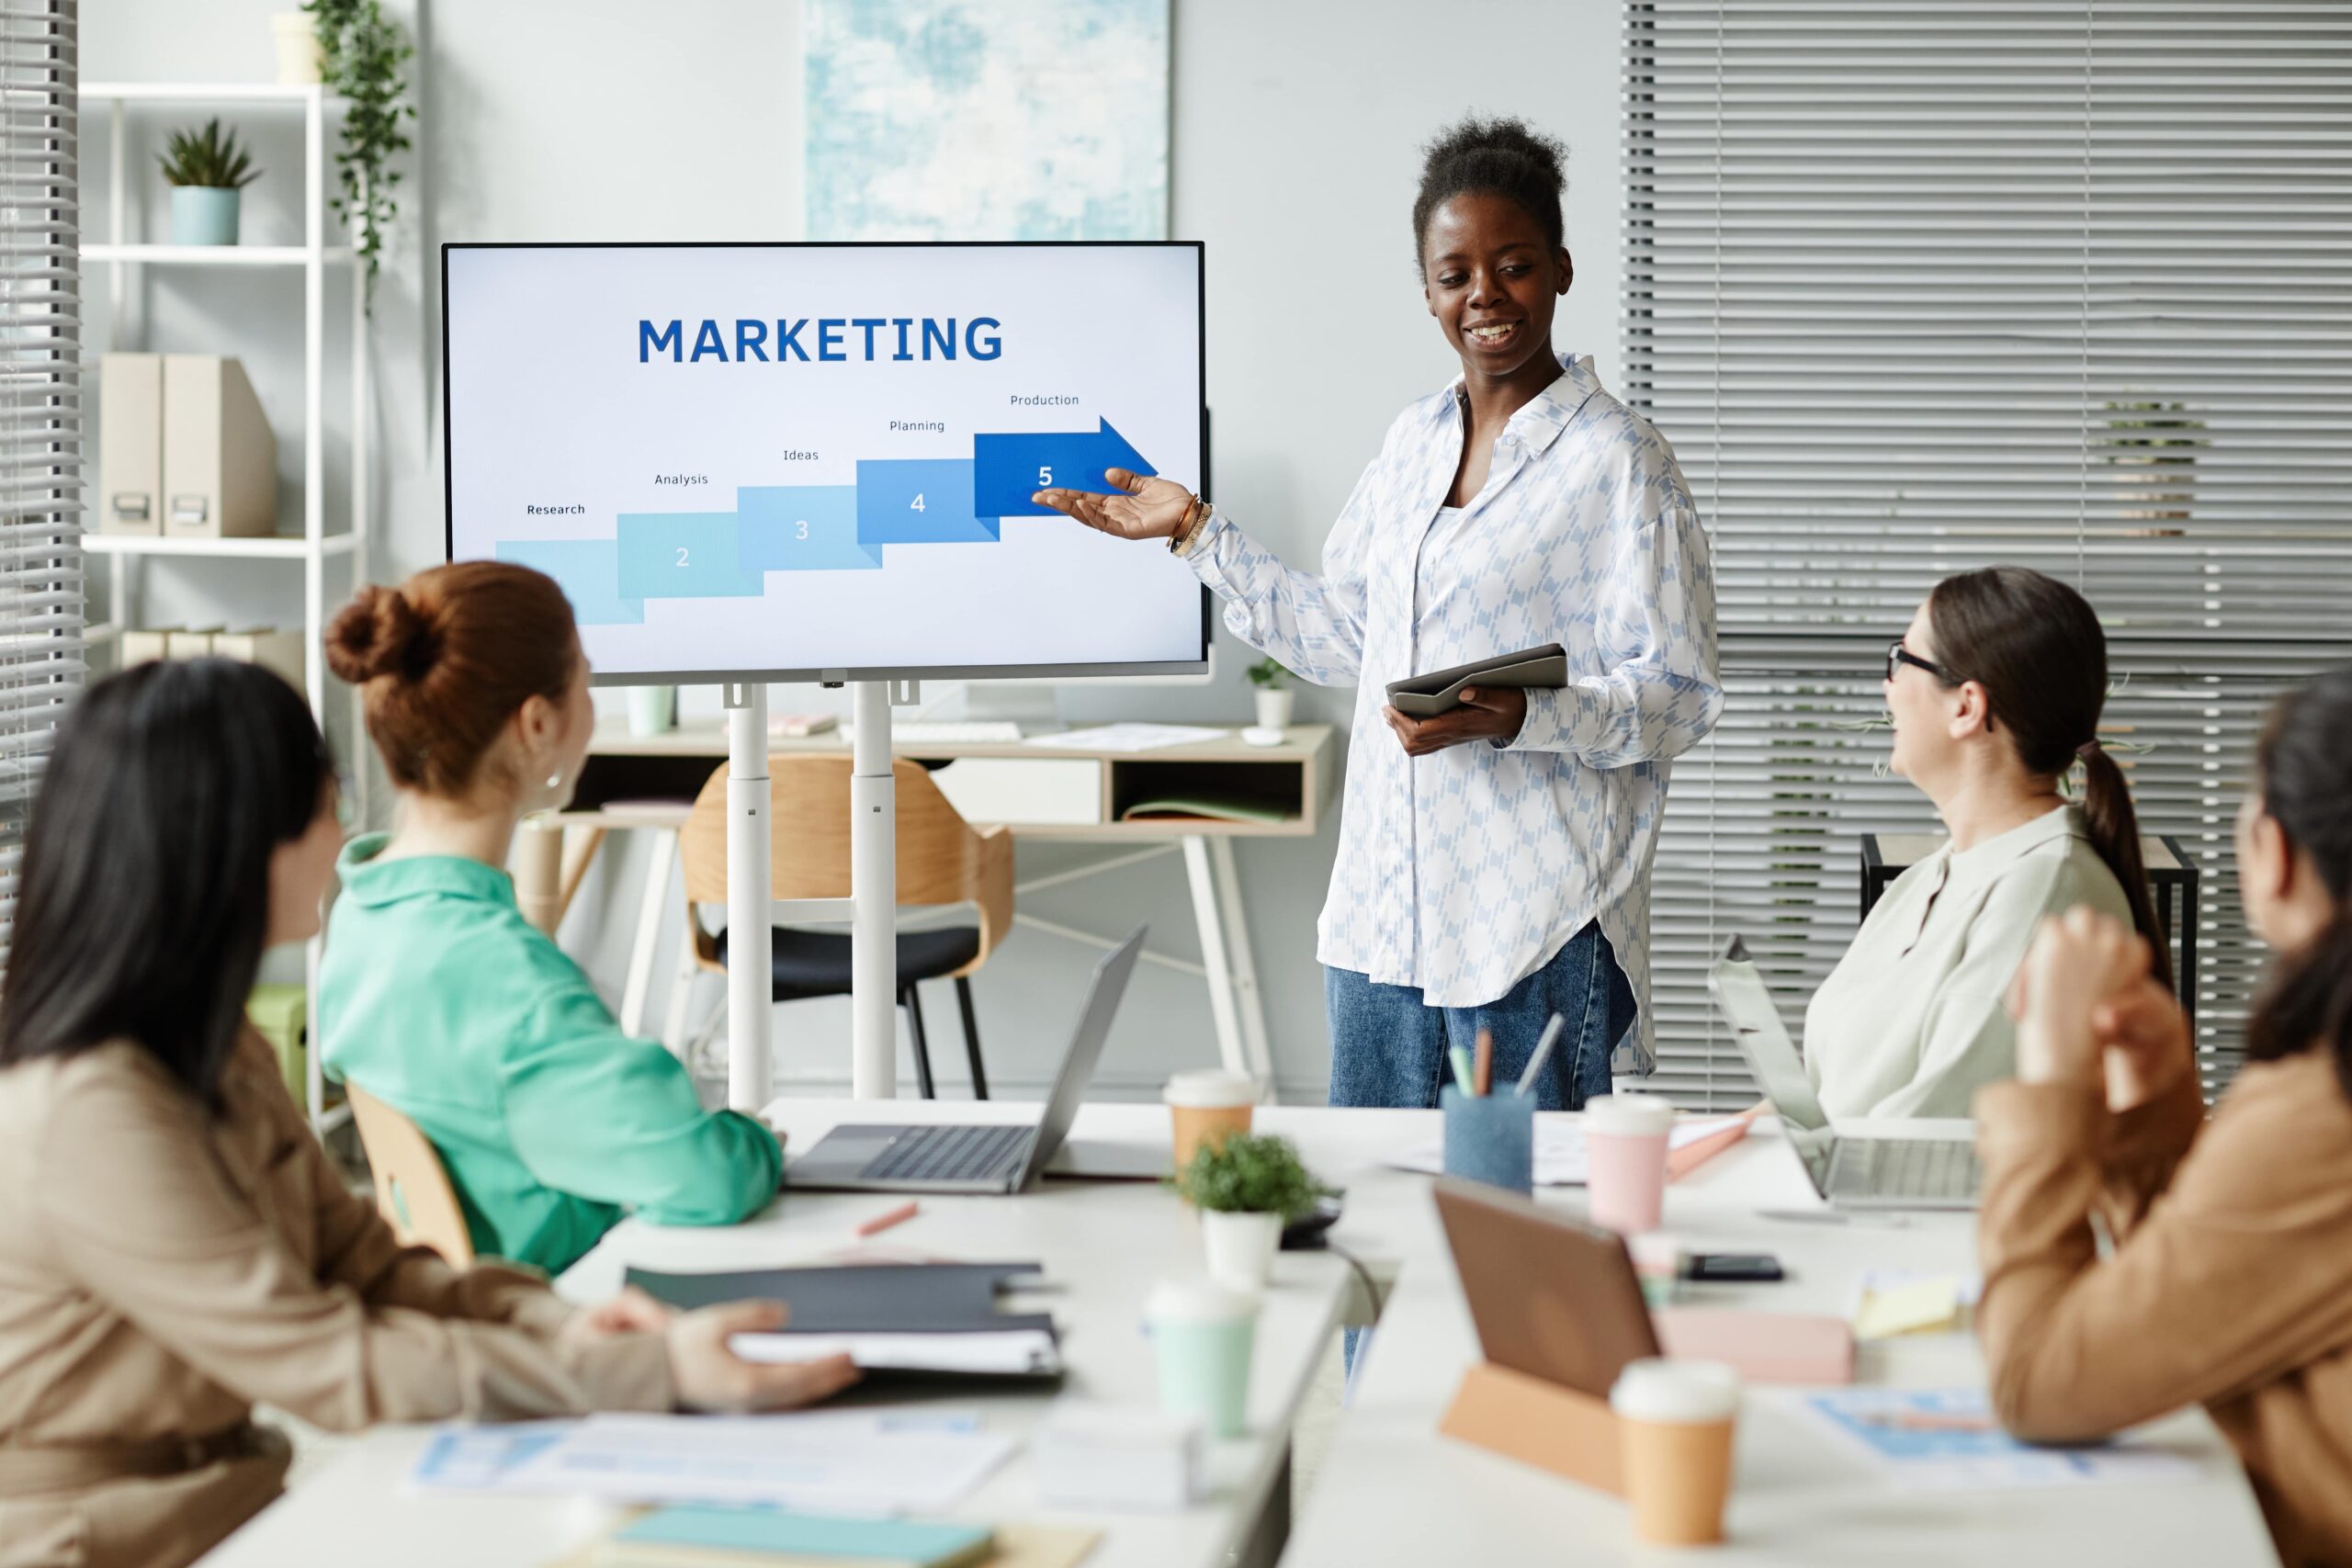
40	413
1920	286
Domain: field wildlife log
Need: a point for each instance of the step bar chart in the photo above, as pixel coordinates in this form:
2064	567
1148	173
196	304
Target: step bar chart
895	501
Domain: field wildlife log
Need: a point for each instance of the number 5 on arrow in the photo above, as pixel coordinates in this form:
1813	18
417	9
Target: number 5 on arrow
1045	477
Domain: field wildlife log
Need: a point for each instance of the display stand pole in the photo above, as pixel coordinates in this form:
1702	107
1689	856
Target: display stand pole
751	934
874	892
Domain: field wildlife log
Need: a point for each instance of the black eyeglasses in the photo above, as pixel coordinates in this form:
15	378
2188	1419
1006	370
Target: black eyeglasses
1898	656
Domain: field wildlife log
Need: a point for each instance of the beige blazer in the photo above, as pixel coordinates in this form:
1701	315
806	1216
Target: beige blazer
2230	1285
163	1269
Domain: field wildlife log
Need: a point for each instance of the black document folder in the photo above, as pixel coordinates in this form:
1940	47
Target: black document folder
910	1317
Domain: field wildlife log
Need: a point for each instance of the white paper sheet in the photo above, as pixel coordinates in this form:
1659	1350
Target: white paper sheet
850	1462
1129	737
1015	1352
1560	1158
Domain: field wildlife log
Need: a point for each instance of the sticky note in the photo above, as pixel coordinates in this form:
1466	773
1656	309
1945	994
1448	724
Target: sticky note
1920	1306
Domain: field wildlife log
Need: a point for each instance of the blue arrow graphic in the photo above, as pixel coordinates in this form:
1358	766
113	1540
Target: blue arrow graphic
1006	470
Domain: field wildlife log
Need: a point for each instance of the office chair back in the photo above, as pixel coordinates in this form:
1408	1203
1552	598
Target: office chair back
942	858
412	1189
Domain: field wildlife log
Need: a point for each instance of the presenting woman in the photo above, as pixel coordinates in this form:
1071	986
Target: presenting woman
1494	860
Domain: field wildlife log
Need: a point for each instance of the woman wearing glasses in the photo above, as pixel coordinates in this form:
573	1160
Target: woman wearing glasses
1996	690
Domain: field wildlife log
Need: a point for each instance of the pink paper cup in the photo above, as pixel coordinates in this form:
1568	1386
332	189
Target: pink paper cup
1626	1141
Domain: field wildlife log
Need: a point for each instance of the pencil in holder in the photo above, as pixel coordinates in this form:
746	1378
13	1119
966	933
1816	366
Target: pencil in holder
1490	1137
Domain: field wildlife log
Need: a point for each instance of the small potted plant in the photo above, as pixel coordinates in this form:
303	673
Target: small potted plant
1247	1188
1274	696
207	170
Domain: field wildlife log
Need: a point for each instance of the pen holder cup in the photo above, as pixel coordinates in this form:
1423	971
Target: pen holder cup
1490	1137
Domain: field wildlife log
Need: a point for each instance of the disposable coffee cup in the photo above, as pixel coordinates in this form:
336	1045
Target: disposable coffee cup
1207	1106
1202	1335
1674	1421
1658	1264
1626	1138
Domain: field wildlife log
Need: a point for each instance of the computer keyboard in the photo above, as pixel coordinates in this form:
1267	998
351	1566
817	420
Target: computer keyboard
954	1154
1909	1167
960	732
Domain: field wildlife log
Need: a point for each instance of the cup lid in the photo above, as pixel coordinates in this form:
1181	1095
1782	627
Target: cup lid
1198	1301
1660	1388
1210	1088
1639	1114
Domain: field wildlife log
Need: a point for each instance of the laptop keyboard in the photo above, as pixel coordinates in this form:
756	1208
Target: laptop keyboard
954	1154
1907	1167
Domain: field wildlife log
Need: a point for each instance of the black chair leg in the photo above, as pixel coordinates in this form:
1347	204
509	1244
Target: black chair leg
971	1036
913	1004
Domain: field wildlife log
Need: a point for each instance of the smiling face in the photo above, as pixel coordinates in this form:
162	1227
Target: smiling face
1491	277
1922	707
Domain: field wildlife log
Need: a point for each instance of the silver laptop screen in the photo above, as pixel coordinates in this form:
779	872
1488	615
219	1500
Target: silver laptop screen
1748	1007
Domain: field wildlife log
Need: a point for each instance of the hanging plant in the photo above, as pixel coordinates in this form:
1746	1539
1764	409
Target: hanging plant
364	53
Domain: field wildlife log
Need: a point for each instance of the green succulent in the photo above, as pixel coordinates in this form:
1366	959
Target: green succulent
1248	1174
207	158
1268	676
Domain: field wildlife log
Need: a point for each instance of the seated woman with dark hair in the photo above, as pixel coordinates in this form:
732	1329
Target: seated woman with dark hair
1995	690
2231	1280
175	1248
439	998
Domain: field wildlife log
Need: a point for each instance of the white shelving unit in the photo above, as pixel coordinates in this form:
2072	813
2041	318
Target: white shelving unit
314	546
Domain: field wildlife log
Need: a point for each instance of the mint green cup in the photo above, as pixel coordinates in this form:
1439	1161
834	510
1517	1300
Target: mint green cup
1204	1336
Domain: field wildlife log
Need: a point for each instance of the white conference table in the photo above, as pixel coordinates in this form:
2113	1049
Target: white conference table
1391	1489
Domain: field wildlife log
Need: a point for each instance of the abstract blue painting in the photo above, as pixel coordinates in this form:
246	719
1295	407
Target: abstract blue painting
987	119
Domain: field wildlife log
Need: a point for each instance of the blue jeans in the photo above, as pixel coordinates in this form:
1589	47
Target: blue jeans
1388	1047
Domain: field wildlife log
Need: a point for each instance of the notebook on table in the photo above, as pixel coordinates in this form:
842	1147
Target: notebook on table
939	1319
1439	690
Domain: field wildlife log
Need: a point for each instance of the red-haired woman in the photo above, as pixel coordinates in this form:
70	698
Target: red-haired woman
440	999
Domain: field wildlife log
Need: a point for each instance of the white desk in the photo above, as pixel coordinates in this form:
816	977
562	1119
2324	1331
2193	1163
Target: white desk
1392	1490
1104	1245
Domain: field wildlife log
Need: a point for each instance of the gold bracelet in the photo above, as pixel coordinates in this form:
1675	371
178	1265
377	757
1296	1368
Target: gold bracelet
1180	542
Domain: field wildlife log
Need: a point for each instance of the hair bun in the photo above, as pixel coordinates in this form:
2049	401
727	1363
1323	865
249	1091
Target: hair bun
379	633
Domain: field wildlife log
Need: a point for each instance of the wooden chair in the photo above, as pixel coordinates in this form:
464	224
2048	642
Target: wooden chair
412	1189
941	859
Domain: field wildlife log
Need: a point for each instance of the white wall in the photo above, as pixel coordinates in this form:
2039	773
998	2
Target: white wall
1296	130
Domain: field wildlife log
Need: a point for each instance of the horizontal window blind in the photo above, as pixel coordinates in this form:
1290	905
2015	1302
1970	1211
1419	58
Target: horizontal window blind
1918	287
40	413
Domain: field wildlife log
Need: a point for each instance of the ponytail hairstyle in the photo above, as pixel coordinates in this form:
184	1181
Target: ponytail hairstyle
2304	765
2035	646
144	905
1491	157
445	660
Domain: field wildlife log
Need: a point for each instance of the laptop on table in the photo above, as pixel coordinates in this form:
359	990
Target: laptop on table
866	1157
1852	1170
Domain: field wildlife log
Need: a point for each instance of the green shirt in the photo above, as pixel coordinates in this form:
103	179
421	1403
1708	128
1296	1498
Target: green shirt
437	998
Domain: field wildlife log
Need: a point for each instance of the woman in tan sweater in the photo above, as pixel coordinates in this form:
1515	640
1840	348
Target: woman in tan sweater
175	1248
2230	1281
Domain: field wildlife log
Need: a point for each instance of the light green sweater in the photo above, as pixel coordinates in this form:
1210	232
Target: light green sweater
437	998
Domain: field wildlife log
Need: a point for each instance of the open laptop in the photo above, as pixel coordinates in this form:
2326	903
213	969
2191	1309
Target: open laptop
1852	1170
974	1159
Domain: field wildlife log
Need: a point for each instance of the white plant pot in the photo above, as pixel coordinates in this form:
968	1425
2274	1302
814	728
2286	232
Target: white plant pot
1241	1248
1275	708
299	56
